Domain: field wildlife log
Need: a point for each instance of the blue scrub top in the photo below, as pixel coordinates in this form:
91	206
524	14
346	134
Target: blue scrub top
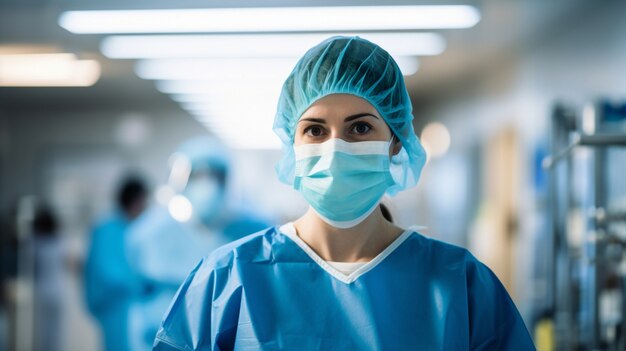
267	292
110	283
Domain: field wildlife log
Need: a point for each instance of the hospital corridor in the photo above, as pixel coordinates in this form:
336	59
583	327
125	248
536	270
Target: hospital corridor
312	175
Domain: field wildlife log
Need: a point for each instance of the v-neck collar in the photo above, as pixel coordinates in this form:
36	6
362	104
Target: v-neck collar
289	230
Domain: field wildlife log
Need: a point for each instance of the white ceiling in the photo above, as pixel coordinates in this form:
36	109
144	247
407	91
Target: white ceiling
506	27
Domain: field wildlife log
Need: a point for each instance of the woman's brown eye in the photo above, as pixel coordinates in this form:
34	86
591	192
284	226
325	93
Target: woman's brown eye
314	131
361	128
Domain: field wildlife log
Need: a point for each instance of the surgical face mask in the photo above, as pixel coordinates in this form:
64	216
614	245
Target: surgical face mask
343	182
205	196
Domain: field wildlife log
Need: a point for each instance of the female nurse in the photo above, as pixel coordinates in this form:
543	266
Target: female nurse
343	276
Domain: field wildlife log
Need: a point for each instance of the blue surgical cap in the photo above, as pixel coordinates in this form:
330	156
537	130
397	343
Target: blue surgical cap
350	65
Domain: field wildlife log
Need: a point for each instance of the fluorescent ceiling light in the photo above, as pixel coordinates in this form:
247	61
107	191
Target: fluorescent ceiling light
254	142
408	65
13	49
225	69
268	19
257	45
245	135
197	69
220	87
242	116
181	98
47	70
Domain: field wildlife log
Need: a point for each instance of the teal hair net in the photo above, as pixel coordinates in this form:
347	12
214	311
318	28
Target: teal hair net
350	65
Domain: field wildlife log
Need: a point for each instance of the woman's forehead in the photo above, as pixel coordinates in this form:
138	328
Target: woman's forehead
339	106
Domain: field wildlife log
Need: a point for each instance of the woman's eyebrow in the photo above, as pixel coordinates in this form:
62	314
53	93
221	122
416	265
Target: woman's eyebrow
311	119
347	119
358	115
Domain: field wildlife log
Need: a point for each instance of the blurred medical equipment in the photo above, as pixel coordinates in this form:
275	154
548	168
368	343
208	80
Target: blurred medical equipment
588	227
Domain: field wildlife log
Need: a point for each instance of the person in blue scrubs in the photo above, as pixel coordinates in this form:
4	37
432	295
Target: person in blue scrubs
110	284
343	276
167	241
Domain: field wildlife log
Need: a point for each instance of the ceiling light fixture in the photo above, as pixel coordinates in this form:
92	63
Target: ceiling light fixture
47	70
257	45
270	19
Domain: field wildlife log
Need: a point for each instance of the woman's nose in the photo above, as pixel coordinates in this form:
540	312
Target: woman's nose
337	133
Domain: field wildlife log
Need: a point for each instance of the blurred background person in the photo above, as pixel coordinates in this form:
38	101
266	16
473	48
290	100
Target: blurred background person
50	258
168	240
110	284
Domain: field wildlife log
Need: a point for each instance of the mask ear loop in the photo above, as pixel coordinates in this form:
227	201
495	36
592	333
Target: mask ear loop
390	143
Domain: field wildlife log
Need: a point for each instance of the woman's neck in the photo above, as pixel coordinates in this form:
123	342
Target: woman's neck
357	244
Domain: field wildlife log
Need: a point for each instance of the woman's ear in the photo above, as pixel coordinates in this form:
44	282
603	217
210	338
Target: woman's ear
397	146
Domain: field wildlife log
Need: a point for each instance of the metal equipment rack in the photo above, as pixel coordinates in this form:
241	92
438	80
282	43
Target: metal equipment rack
587	210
